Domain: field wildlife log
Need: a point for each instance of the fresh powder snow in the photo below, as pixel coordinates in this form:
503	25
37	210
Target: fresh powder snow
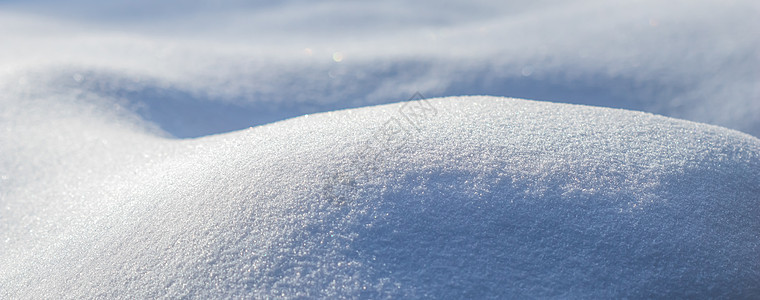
465	197
184	149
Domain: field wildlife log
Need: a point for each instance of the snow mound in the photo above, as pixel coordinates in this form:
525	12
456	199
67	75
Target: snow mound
467	197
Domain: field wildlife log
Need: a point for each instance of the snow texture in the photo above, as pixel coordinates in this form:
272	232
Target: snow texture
469	197
147	150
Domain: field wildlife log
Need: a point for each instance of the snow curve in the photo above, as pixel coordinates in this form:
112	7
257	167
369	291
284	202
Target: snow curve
467	197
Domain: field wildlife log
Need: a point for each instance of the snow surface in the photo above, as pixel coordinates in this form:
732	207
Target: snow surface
468	197
196	68
113	184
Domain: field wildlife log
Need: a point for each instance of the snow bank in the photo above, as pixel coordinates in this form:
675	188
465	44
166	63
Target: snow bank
196	69
466	197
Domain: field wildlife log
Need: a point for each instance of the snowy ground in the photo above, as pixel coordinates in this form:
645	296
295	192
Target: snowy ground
111	187
197	69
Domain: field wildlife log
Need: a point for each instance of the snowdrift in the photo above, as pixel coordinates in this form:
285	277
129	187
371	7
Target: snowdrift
467	197
197	68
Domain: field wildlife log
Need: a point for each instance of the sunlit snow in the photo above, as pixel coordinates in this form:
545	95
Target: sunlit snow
182	149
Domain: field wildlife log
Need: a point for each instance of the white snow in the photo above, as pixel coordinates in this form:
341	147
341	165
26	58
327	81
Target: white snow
172	61
482	197
185	149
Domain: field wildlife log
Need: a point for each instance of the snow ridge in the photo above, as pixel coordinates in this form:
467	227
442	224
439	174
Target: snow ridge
481	197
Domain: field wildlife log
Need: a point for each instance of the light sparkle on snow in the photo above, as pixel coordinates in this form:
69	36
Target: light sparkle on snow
507	194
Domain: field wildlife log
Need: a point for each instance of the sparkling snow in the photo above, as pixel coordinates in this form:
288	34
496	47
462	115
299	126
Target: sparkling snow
481	197
184	149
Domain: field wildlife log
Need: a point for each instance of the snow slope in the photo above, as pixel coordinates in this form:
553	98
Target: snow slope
196	68
466	197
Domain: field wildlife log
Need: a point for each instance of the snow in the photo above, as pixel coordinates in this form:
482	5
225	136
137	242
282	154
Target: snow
259	150
271	61
482	197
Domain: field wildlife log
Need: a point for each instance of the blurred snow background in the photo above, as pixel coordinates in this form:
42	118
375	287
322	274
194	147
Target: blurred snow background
194	68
